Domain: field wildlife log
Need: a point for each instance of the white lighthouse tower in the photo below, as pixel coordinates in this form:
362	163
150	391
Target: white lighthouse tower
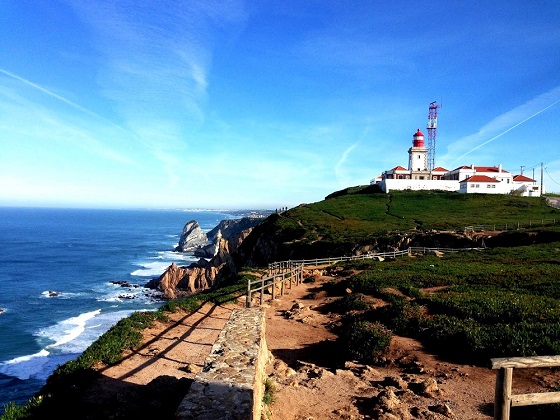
418	157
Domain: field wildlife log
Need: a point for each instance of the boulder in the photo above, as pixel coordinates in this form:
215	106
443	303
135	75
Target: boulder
192	237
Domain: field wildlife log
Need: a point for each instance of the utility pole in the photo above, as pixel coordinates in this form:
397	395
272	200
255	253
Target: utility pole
541	178
522	169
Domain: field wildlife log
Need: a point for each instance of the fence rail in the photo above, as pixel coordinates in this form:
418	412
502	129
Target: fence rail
287	273
504	400
511	226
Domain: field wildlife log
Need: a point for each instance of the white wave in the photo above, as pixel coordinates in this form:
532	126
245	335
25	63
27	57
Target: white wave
161	261
71	337
59	295
151	269
138	294
65	331
74	335
25	367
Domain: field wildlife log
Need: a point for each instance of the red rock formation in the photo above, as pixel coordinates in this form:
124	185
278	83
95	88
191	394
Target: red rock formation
177	281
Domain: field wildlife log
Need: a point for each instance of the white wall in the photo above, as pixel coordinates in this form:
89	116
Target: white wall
417	184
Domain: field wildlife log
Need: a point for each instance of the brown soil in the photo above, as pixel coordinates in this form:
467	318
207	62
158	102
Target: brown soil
311	381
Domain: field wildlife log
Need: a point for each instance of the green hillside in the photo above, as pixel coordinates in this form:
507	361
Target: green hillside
360	218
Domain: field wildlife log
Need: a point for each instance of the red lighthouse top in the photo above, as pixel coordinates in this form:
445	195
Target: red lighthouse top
418	139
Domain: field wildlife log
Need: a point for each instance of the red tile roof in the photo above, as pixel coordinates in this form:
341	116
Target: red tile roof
488	169
482	168
479	178
439	169
522	178
399	168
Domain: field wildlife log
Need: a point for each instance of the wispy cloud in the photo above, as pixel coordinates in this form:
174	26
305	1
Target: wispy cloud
50	93
340	173
508	121
156	57
32	121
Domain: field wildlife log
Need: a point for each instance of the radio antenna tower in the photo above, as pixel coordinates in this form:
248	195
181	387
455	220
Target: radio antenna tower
432	130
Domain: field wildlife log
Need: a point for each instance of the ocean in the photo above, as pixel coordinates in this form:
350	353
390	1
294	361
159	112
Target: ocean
61	275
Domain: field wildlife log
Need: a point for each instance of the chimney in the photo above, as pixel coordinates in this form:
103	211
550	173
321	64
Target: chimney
500	168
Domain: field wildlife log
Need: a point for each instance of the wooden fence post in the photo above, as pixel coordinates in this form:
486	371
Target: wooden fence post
502	396
248	298
262	291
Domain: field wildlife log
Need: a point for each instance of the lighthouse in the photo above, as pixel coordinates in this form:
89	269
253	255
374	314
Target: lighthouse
418	157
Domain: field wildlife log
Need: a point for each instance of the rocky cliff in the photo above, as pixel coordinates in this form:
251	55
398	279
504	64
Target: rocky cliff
225	239
191	238
233	231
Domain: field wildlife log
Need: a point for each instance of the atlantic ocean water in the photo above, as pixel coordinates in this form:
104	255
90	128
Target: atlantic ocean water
59	281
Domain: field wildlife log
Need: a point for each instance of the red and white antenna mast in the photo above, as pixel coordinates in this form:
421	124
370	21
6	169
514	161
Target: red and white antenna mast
432	130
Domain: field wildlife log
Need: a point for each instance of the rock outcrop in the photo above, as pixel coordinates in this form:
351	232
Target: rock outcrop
191	238
216	260
234	231
177	281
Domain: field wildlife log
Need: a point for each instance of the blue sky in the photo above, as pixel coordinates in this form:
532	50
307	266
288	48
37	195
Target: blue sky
265	104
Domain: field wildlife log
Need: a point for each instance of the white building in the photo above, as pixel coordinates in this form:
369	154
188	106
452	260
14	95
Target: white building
464	179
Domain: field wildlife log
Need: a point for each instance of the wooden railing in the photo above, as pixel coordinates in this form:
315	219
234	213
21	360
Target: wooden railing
292	274
504	400
288	273
511	226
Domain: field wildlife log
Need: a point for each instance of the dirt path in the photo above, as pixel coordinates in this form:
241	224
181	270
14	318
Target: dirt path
177	348
313	384
151	381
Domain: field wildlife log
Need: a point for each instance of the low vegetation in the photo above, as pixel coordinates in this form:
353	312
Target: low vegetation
470	306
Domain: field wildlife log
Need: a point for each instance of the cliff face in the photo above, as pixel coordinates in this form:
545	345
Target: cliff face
179	281
192	237
232	230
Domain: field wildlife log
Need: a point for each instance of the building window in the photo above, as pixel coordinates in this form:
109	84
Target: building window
472	185
477	185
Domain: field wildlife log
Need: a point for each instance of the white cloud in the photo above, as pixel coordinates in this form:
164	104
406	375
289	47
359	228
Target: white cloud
503	124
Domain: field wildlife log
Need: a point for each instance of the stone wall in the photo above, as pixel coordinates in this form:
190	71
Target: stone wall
231	384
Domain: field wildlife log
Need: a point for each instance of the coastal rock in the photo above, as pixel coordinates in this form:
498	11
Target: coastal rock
216	259
234	231
188	279
233	228
209	250
192	237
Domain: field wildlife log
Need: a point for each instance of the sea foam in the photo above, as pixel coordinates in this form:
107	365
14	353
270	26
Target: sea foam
68	338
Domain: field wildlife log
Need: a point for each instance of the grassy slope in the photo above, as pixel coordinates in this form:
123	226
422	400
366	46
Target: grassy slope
360	216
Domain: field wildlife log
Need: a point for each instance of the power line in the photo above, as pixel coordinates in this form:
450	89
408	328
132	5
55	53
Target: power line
556	182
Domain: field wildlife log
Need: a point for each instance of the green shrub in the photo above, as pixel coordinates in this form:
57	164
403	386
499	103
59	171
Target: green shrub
269	390
366	340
